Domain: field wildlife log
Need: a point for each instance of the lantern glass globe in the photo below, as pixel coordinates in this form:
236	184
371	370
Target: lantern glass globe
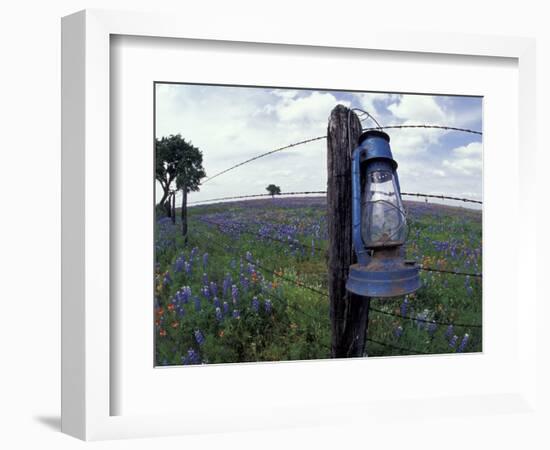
383	222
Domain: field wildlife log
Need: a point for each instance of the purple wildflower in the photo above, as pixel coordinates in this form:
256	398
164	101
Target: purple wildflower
197	303
225	308
267	306
204	279
216	302
199	337
405	307
192	357
449	332
463	343
255	304
206	292
213	288
452	342
236	314
235	294
219	315
432	327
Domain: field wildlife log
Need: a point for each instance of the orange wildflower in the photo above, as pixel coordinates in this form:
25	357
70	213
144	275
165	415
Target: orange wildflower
175	324
162	332
171	307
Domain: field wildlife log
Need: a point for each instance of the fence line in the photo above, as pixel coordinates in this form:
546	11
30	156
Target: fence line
282	194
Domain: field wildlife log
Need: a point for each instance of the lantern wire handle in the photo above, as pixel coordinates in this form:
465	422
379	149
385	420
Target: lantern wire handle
349	125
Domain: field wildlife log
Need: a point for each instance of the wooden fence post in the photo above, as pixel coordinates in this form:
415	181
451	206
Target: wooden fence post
348	312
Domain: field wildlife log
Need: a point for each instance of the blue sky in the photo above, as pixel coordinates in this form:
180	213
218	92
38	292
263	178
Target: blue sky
231	124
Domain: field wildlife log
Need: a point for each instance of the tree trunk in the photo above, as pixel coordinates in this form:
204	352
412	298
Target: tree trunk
348	312
184	213
164	200
173	207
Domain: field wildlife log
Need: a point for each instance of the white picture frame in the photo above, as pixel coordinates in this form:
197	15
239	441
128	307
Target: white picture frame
86	289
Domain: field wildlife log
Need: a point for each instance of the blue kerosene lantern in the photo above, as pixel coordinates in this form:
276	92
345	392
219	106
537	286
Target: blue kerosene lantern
379	225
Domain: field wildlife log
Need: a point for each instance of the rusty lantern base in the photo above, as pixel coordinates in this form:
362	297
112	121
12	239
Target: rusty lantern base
384	277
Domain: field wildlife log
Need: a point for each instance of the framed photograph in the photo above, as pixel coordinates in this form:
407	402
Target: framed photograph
248	217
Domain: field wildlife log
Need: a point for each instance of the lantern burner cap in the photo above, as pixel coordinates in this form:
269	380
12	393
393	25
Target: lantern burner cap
373	133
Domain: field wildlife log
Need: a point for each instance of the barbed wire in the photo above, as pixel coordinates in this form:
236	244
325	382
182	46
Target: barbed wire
437	322
467	274
440	127
318	138
271	152
397	347
282	194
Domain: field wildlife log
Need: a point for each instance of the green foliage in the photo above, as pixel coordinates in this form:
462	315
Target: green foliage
178	161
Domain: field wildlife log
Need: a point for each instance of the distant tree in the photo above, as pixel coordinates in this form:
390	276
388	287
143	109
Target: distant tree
273	190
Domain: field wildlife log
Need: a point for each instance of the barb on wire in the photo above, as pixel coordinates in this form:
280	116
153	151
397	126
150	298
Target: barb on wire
396	347
437	322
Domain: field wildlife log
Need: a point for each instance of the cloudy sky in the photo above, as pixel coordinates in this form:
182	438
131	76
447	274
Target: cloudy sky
232	124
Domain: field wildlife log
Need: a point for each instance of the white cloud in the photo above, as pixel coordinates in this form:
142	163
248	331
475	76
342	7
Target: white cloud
418	109
467	159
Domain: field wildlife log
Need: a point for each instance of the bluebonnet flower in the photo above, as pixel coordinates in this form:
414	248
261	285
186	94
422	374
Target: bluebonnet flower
233	263
245	284
226	285
267	306
225	308
206	292
249	256
197	303
204	279
216	302
187	267
178	266
219	315
199	337
452	342
255	304
235	294
167	279
180	312
398	332
192	357
449	332
236	314
405	306
185	294
204	261
463	343
213	288
432	327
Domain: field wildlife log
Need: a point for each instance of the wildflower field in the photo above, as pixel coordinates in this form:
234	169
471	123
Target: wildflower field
250	285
